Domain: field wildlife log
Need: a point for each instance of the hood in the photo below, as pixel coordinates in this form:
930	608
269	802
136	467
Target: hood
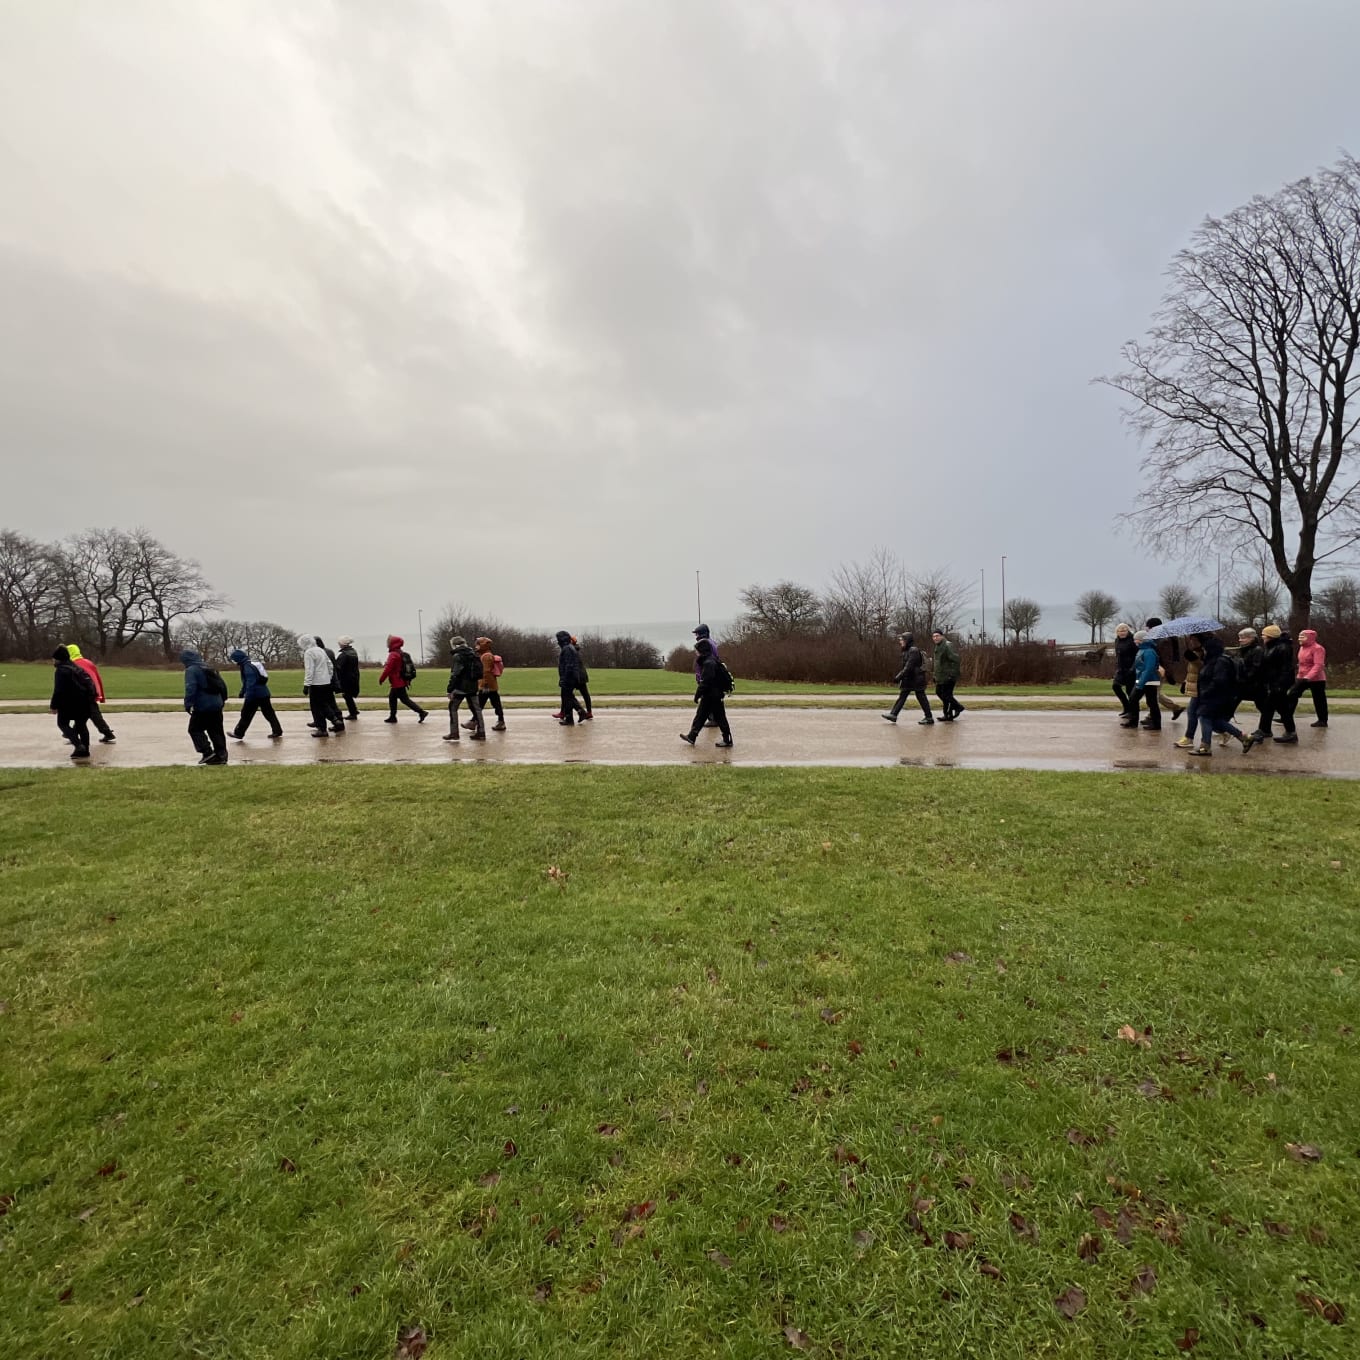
484	643
1150	643
563	637
346	641
704	647
238	656
395	643
1153	622
73	651
189	657
1307	636
62	657
907	639
306	640
457	640
1212	647
702	631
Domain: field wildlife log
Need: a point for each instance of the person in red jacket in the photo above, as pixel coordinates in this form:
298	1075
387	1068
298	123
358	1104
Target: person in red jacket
399	671
1312	675
90	669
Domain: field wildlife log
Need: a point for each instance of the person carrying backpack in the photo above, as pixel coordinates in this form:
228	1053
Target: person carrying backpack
255	696
948	668
488	687
703	631
205	695
72	694
317	677
96	717
347	675
465	670
715	684
398	673
911	680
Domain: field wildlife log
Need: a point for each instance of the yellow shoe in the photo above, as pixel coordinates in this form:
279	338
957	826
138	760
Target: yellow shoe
1185	743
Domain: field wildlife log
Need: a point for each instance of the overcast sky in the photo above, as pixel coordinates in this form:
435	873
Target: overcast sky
539	307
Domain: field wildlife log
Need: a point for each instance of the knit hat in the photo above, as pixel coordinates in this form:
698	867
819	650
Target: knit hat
1271	630
61	654
346	641
1246	632
457	641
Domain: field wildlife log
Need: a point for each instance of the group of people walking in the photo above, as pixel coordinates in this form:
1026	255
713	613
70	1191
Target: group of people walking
911	679
1266	672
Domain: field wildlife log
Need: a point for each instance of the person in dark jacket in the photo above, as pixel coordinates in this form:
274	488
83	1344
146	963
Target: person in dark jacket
703	631
1216	689
568	677
911	680
948	668
1277	679
709	696
465	670
1125	651
203	702
106	736
72	695
255	696
347	675
1250	655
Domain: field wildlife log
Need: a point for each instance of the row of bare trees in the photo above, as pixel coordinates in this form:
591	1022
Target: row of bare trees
521	647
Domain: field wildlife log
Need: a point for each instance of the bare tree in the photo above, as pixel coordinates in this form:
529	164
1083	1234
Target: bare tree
102	587
30	601
1242	386
934	599
1338	602
864	596
782	609
1097	610
1021	616
173	587
1176	600
1255	602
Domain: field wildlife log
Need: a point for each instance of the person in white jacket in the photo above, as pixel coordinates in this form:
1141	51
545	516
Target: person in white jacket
318	673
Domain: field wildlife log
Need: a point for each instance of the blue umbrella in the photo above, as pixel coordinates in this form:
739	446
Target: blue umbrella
1191	623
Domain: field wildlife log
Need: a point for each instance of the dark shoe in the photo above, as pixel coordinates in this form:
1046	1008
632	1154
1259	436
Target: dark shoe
1289	739
1259	736
424	713
888	717
80	752
1176	710
1204	750
452	736
499	727
1250	740
926	722
354	717
1317	724
216	760
384	720
323	734
558	714
339	731
722	745
946	717
320	725
469	725
276	736
1127	722
959	710
685	737
587	717
237	736
477	736
203	760
107	741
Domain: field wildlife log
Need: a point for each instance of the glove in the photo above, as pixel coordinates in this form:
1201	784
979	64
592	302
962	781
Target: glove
306	690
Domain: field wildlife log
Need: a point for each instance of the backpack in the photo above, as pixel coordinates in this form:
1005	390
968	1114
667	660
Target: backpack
497	666
216	685
725	681
85	684
408	668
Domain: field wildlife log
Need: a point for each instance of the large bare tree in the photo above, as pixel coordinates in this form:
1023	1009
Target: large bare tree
1241	389
864	597
781	610
30	600
1097	610
934	599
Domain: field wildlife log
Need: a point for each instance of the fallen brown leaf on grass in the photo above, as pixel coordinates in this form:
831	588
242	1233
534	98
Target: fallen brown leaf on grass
778	1223
1188	1340
543	1292
557	876
863	1239
856	1048
842	1154
288	1166
1071	1301
492	1178
958	1241
720	1258
1304	1152
509	1149
1021	1227
830	1017
1323	1308
1080	1138
800	1341
958	956
1089	1246
1144	1282
607	1130
1132	1036
990	1271
411	1343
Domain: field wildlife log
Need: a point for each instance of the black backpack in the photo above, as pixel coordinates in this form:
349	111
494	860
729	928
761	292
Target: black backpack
216	685
725	681
408	668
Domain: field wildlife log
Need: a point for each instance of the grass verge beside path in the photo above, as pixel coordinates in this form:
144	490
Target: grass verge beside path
33	680
694	1062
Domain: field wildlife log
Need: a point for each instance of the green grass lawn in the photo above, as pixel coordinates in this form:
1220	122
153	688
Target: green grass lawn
687	1062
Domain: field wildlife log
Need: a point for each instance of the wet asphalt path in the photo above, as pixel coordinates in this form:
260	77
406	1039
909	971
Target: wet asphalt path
622	736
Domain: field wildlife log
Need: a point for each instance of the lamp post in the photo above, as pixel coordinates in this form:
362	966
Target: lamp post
698	598
1003	599
983	572
420	624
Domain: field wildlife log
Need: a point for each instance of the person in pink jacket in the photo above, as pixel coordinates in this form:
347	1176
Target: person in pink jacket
1312	674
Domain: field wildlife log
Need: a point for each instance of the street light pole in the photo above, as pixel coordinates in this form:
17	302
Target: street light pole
698	598
420	624
984	603
1003	599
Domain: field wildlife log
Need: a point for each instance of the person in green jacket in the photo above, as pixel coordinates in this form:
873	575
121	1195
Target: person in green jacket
947	670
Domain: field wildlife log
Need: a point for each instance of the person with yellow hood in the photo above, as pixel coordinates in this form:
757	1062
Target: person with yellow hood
90	669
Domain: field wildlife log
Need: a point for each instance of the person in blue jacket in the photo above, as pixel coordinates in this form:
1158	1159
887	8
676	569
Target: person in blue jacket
1147	680
203	702
256	696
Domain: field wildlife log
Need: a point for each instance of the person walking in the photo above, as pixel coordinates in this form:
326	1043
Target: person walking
1125	653
1278	669
1169	666
1147	677
398	672
1251	657
1311	675
332	708
1216	696
72	694
347	675
714	682
568	678
205	696
911	680
318	675
106	736
703	631
465	670
947	671
255	696
488	687
586	713
1194	659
